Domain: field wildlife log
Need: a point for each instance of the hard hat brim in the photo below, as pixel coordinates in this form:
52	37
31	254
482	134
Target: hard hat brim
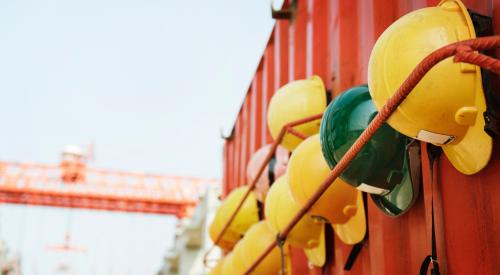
400	200
354	230
473	152
317	255
403	195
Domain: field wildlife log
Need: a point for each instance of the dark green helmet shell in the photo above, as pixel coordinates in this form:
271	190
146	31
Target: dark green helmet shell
381	168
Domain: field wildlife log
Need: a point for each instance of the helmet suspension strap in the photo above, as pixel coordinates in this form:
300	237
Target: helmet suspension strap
281	243
433	153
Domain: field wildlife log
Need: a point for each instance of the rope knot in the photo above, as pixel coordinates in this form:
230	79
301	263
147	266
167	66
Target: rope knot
280	241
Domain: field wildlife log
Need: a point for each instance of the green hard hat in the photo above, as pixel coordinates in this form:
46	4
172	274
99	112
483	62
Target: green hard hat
382	168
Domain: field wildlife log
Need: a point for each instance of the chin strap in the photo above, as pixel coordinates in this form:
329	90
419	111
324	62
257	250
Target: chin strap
415	165
329	239
260	210
271	178
270	170
281	244
433	152
353	255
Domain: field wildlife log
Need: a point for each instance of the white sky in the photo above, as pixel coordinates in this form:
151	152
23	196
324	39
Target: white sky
150	82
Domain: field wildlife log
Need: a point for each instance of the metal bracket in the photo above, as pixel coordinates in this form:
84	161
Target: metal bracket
284	14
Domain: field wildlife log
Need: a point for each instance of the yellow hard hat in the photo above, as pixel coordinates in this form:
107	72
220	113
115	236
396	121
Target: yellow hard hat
246	217
340	204
239	258
229	238
228	265
447	106
307	233
253	244
296	100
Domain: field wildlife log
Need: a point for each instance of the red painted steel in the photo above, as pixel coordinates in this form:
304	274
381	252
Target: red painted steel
469	228
391	105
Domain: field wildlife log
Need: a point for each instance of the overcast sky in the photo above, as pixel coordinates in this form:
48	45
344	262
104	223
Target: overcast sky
150	82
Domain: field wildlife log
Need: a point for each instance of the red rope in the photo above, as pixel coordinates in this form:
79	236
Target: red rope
404	90
467	55
296	133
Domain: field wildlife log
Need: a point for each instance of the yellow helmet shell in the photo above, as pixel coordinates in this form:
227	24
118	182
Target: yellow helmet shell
281	208
228	265
253	244
306	171
354	230
228	240
446	107
239	258
246	217
217	270
296	100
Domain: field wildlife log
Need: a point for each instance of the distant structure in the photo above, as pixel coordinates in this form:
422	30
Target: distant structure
9	264
73	183
191	240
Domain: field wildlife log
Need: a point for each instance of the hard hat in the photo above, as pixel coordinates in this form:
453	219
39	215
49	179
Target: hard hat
340	203
239	258
446	107
254	243
275	168
296	100
280	210
228	265
229	238
246	217
382	168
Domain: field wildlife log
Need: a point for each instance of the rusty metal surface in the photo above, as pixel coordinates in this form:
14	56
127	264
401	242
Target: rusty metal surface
333	39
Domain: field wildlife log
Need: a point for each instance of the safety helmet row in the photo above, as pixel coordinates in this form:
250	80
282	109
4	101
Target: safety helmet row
249	248
445	109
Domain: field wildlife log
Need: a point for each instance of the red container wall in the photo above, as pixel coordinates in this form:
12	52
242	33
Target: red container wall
333	39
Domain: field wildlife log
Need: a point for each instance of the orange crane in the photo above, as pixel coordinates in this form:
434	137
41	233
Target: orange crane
72	184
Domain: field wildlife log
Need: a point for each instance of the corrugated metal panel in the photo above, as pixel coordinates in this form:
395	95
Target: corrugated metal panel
333	39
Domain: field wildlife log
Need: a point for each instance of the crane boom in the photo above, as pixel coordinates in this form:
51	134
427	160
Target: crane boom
42	184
